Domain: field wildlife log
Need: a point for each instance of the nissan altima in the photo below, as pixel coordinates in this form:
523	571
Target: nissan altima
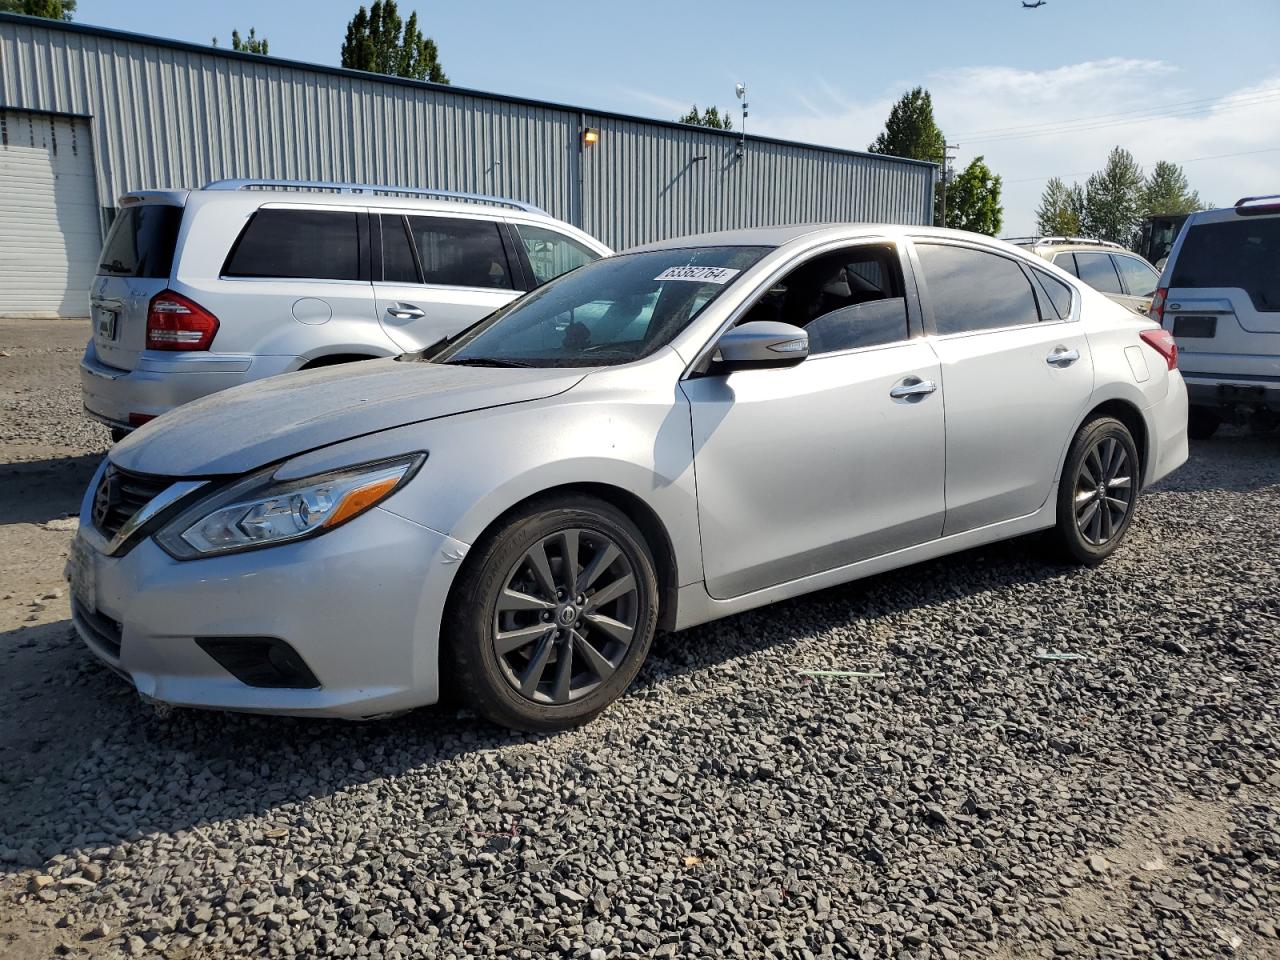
654	440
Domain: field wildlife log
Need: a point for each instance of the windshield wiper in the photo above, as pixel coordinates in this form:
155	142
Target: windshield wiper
485	362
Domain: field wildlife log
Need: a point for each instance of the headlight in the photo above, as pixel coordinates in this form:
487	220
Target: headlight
259	512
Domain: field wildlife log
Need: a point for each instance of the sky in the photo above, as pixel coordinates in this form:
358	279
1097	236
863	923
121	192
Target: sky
1038	93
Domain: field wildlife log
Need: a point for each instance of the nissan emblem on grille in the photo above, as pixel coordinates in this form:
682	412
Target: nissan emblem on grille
105	496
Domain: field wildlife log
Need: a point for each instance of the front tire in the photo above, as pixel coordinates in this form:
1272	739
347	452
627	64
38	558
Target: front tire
1098	491
553	614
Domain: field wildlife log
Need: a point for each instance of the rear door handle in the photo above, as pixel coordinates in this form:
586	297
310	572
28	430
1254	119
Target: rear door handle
405	311
913	388
1062	357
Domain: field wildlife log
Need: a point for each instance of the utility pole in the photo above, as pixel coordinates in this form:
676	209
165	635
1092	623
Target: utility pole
741	90
947	157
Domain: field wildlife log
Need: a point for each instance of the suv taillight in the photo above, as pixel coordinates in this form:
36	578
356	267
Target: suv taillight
176	323
1162	342
1156	312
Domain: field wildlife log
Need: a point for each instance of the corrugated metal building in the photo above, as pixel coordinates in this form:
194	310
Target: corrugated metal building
87	114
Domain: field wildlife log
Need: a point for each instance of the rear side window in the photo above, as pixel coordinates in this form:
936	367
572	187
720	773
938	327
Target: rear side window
298	244
398	265
461	253
1139	279
1096	270
1243	253
973	290
1067	262
550	253
142	241
1056	292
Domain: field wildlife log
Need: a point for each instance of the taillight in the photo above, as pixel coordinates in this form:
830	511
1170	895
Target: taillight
177	323
1162	342
1158	298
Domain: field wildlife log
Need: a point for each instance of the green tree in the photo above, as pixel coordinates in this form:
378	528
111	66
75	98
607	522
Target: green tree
973	200
49	9
250	44
912	132
1061	209
1167	191
1113	198
378	41
710	117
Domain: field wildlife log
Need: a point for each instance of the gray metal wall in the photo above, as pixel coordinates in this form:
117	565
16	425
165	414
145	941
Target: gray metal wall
173	114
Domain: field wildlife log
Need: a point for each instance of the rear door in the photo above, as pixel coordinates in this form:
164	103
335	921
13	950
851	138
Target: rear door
1098	270
136	262
1223	304
1016	375
1140	281
440	274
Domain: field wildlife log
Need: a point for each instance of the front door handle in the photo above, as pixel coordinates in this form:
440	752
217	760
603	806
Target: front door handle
1062	357
405	311
913	388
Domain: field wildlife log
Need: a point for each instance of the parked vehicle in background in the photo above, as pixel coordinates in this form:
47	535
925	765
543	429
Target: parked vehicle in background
1107	267
517	511
1219	296
1158	234
202	290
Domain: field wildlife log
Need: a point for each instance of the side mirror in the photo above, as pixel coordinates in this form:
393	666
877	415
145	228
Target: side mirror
762	343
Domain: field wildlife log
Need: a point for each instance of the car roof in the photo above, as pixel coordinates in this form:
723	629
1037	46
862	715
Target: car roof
811	233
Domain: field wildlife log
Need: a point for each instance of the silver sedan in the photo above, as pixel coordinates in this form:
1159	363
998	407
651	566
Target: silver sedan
684	431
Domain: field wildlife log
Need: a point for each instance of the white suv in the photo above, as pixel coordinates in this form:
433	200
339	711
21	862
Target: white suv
202	290
1219	296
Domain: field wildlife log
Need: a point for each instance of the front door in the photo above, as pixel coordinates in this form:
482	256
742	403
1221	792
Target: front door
840	458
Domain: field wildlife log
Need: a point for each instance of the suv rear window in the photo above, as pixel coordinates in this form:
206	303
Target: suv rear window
142	241
298	244
1242	253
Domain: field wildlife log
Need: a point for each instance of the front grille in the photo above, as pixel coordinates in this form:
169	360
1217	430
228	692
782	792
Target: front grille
120	495
98	630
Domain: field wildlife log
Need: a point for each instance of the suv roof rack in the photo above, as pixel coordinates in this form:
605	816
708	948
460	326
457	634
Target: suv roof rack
1244	204
372	188
1056	241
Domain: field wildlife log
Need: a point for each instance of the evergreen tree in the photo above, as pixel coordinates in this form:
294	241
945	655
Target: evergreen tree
378	41
973	200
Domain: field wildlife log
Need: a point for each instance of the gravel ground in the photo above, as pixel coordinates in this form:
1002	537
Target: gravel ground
977	799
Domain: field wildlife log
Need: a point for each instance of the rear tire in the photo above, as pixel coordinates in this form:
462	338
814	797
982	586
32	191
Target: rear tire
1098	491
1202	423
553	614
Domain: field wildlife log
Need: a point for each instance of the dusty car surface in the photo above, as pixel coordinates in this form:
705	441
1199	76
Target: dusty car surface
657	439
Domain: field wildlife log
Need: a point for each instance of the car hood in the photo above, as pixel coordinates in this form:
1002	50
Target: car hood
259	423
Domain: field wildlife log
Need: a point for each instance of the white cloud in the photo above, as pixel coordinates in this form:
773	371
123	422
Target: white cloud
983	102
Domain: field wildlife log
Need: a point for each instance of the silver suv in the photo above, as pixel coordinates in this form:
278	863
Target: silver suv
1109	268
200	290
1219	296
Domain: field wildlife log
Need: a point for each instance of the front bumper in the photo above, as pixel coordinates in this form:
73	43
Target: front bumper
160	383
360	606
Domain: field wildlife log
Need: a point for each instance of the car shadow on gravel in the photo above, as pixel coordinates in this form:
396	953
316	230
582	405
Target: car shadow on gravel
1233	460
116	769
35	491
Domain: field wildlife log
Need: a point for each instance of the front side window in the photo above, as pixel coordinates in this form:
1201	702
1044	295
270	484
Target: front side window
1242	253
612	311
972	290
844	300
298	244
461	253
1139	279
398	265
142	241
551	253
1096	270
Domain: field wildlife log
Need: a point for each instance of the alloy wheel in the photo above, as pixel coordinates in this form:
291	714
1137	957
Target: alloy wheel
566	615
1103	491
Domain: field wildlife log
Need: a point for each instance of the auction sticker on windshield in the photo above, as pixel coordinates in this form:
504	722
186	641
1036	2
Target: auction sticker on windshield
717	275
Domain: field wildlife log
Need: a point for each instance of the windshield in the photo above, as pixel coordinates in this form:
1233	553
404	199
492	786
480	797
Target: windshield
609	312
